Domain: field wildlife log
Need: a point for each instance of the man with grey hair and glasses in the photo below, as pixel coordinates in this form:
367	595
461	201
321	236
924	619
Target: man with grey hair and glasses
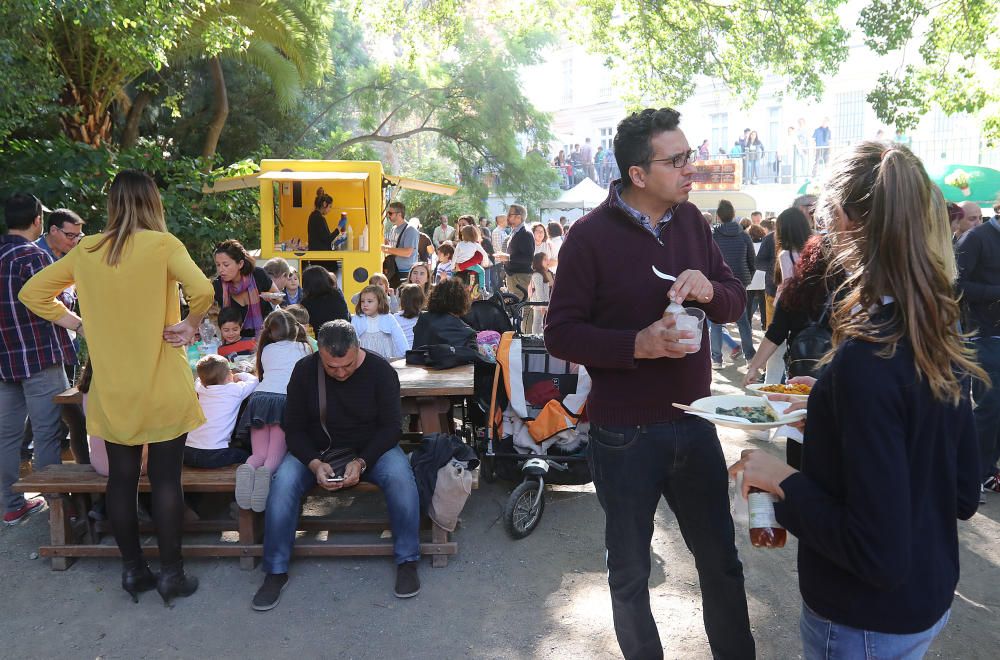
361	413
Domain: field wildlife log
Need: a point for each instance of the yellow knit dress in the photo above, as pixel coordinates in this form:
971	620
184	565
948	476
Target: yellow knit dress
142	390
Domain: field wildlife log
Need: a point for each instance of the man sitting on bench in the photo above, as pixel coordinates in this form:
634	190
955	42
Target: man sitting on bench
363	413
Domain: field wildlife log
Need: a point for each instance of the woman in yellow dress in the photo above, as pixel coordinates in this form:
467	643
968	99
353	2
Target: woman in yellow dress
142	391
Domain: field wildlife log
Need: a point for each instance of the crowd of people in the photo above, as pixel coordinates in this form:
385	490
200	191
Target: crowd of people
878	295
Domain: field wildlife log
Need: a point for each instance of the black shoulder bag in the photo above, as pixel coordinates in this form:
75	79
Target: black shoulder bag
389	268
336	457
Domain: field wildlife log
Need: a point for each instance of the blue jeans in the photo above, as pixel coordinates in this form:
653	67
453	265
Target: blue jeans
988	404
682	461
391	473
30	398
716	335
825	640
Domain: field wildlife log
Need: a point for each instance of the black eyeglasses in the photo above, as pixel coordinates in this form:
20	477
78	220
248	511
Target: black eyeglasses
678	161
70	235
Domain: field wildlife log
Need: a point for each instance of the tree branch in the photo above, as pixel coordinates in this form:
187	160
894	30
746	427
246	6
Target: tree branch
326	111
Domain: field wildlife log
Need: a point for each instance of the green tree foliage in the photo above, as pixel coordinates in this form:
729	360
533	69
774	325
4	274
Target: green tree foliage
455	76
75	175
660	48
96	48
959	57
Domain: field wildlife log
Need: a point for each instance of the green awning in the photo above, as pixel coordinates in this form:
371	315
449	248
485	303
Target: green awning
967	183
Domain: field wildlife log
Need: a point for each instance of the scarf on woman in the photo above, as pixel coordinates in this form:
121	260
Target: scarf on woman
253	318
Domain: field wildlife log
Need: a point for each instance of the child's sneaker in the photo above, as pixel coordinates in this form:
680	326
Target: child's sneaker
31	506
261	487
244	485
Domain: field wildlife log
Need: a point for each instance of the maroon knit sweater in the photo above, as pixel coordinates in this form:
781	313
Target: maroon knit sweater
606	292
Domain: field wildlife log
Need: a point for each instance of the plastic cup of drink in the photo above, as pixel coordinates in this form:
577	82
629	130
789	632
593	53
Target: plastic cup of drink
692	319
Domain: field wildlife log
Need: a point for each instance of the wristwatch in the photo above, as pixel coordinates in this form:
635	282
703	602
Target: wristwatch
364	466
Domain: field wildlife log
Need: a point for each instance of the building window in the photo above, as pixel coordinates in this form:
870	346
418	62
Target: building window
567	74
849	120
607	137
720	132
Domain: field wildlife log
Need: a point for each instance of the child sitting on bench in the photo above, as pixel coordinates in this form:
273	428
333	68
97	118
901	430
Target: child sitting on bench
220	393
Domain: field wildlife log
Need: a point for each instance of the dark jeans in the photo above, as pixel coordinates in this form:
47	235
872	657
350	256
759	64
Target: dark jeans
214	458
755	303
682	461
988	404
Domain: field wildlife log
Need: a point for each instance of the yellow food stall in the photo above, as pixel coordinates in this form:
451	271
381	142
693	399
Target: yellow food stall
361	191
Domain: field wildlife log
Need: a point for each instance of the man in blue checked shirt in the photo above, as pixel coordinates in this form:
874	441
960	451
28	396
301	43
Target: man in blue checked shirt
33	353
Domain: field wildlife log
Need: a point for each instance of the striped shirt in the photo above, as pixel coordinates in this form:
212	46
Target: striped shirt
28	343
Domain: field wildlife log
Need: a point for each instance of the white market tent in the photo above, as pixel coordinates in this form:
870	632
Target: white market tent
584	195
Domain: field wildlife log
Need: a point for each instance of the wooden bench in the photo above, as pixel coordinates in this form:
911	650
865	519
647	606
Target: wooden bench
69	539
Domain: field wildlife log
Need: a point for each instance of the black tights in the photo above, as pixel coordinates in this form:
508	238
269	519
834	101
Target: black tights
164	470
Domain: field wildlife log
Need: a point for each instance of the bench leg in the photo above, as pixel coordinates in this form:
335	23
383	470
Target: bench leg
248	537
438	535
59	531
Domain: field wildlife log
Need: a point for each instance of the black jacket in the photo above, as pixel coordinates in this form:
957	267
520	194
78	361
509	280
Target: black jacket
434	452
765	262
979	278
319	235
329	307
437	328
521	249
737	249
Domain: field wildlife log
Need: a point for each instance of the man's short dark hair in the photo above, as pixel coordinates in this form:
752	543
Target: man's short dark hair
397	206
753	213
726	212
21	210
634	134
337	337
59	217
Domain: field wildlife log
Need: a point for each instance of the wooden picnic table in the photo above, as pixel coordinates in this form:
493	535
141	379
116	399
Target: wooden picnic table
428	393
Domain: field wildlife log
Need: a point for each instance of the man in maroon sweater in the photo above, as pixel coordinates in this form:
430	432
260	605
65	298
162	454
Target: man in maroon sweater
607	314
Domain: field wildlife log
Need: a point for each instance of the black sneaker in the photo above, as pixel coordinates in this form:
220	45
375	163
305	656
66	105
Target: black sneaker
269	594
407	581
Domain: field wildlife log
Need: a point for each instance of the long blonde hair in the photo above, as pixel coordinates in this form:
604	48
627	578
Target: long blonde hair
133	204
899	247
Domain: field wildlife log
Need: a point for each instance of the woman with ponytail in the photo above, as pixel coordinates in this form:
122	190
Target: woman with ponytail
890	459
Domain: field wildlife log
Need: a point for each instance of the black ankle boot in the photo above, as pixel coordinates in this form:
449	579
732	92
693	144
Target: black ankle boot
136	578
173	583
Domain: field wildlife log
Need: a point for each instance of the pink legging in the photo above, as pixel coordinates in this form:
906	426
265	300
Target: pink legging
268	446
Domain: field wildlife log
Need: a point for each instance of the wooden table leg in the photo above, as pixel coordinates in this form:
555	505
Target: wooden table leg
438	535
59	531
248	537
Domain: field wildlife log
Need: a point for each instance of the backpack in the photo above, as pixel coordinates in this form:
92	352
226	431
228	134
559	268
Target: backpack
808	347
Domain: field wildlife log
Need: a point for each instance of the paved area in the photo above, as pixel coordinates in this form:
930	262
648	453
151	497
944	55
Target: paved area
542	597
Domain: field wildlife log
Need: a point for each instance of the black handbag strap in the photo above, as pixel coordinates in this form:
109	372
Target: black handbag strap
321	378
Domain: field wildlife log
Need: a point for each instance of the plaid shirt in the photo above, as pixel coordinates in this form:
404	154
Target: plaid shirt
640	218
28	343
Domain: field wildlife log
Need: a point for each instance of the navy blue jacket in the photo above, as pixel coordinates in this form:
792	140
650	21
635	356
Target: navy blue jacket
887	471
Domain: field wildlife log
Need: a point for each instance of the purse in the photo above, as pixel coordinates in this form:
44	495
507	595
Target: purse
336	457
389	268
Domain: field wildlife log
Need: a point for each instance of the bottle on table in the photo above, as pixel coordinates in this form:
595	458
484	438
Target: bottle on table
765	532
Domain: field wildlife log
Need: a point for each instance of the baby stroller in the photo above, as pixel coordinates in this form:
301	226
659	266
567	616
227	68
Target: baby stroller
535	427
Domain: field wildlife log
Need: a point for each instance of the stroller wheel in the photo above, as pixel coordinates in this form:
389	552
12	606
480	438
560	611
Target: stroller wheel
487	469
524	509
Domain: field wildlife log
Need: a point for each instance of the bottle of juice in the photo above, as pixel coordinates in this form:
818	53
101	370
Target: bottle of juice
765	532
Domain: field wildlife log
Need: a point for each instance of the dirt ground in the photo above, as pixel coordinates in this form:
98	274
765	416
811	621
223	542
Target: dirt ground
542	597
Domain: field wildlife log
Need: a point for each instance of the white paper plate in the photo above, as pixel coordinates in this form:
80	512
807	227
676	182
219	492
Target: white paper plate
710	403
756	389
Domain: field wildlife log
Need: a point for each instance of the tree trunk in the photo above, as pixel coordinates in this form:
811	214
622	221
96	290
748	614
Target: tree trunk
220	110
85	118
130	133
